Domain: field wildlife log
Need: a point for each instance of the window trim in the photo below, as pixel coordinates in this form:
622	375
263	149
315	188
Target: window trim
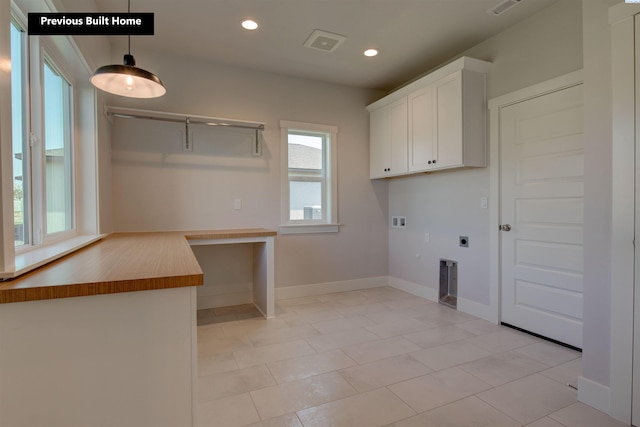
330	194
17	21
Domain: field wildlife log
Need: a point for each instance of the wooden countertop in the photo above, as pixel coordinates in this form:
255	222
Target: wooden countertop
121	262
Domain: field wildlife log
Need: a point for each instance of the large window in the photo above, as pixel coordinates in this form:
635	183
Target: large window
57	151
42	143
21	192
309	178
53	142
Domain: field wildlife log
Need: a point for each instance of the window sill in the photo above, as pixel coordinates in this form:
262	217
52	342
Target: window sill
308	228
30	260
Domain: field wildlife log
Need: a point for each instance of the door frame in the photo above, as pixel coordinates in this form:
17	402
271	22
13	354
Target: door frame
495	107
624	208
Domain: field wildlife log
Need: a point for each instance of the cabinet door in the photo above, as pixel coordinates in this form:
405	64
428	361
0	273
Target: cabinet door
422	150
379	147
448	106
398	136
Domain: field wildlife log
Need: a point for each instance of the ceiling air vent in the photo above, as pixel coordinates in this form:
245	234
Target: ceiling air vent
324	41
503	7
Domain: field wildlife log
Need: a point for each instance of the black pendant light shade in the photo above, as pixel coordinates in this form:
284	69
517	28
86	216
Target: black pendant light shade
128	80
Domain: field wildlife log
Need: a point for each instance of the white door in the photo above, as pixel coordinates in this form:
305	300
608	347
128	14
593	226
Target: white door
541	178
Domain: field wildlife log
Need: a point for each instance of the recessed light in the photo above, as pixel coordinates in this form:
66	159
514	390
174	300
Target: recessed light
370	52
249	24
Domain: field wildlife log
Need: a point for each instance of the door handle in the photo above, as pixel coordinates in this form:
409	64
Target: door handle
505	227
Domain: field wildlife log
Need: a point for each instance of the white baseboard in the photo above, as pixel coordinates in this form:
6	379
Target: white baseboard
594	394
330	287
482	311
414	289
473	308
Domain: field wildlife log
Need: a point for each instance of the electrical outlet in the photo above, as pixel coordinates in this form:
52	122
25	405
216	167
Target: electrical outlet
398	222
237	204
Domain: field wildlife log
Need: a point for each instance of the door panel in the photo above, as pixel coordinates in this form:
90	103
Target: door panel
398	133
448	99
421	130
379	145
542	168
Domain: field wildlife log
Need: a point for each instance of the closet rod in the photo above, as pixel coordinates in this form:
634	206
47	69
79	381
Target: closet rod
181	118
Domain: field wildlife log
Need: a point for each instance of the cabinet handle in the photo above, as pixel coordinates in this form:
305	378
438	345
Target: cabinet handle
429	162
434	162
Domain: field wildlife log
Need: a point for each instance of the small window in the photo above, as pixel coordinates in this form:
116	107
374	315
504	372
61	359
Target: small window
309	178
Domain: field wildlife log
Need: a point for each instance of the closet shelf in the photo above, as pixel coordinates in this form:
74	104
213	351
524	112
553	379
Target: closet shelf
134	113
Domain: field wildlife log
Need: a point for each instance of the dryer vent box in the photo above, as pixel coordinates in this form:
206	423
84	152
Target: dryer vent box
448	294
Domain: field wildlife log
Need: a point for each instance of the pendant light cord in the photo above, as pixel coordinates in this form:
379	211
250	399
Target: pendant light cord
129	13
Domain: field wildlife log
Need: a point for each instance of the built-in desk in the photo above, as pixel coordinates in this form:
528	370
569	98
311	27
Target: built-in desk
263	260
107	336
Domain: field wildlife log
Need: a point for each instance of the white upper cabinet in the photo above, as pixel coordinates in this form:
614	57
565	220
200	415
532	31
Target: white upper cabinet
388	140
423	146
444	119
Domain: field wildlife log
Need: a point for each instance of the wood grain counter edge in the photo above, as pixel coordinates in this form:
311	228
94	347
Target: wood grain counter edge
121	262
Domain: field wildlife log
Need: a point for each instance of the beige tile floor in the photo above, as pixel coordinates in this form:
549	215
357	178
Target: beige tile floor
381	357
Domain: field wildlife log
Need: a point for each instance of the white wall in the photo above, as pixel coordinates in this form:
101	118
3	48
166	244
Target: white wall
158	187
447	205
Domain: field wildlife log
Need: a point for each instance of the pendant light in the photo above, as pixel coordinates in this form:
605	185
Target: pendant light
128	80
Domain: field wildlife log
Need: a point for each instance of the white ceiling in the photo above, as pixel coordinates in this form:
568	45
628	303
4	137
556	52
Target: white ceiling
413	36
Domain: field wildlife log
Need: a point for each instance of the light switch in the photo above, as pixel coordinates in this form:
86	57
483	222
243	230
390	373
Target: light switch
483	203
237	204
